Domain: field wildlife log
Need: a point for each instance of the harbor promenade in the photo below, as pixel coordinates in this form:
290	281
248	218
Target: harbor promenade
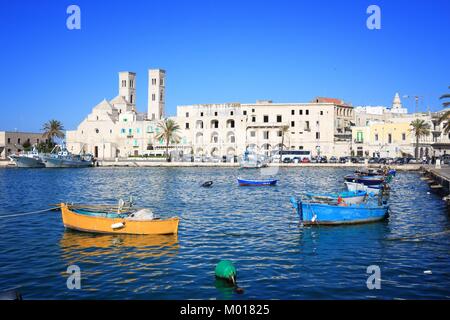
146	163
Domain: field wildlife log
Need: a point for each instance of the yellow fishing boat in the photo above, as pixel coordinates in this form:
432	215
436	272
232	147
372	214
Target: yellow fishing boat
107	219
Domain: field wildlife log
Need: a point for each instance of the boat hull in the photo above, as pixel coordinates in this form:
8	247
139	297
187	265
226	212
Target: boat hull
323	214
65	163
96	224
267	182
27	162
366	180
351	197
353	186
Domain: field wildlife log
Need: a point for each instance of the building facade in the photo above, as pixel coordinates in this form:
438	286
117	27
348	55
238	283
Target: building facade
115	128
13	142
225	130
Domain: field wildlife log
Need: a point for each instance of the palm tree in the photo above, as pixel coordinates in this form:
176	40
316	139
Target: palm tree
446	114
420	129
284	129
169	129
52	129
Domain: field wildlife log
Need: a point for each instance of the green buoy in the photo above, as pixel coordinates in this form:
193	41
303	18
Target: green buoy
225	270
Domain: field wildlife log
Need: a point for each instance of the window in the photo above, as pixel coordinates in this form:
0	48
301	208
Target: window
389	138
266	119
154	81
97	131
215	113
252	133
253	119
245	112
306	111
359	136
231	113
124	83
403	136
321	113
37	140
187	114
253	110
138	130
187	125
292	112
161	82
300	112
279	118
18	141
292	123
376	136
131	98
131	83
317	135
306	125
280	133
153	97
266	135
9	140
201	114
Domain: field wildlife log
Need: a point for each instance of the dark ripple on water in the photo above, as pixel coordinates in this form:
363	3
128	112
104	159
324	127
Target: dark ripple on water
254	227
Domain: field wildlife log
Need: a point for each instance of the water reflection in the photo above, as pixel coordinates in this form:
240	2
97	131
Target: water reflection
80	245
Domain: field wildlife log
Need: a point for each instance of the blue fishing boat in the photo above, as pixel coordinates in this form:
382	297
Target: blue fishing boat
366	180
262	182
348	197
312	213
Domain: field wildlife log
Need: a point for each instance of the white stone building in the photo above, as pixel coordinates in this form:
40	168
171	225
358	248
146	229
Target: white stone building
116	129
224	130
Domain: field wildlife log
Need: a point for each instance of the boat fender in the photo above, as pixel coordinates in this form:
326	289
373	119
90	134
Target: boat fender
118	225
225	270
207	184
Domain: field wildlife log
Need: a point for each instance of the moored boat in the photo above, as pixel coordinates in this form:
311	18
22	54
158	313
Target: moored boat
366	180
30	159
261	182
311	213
101	219
372	189
64	159
348	197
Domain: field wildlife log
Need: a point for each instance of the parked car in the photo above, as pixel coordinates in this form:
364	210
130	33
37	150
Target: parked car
323	159
333	159
374	160
343	159
296	160
305	160
287	160
314	159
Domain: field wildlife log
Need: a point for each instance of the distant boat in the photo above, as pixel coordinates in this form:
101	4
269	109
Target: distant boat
64	159
372	189
366	180
110	219
262	182
30	159
252	160
312	213
348	197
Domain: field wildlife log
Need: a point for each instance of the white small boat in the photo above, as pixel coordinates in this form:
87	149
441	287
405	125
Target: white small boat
64	159
30	159
354	186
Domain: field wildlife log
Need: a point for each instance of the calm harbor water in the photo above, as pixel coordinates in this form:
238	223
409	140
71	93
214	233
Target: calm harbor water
254	227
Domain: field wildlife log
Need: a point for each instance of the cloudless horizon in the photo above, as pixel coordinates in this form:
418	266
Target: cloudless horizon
218	51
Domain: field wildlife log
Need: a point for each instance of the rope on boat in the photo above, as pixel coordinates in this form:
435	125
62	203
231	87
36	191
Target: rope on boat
27	213
418	236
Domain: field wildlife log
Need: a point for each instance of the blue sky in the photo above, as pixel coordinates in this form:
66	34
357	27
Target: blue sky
218	51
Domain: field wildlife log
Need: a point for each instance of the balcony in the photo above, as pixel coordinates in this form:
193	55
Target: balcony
267	124
358	141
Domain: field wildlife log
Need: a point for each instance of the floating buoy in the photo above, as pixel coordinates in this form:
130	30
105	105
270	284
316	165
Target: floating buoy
428	272
207	184
225	270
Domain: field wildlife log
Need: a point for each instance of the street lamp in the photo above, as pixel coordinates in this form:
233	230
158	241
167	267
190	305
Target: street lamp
416	98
